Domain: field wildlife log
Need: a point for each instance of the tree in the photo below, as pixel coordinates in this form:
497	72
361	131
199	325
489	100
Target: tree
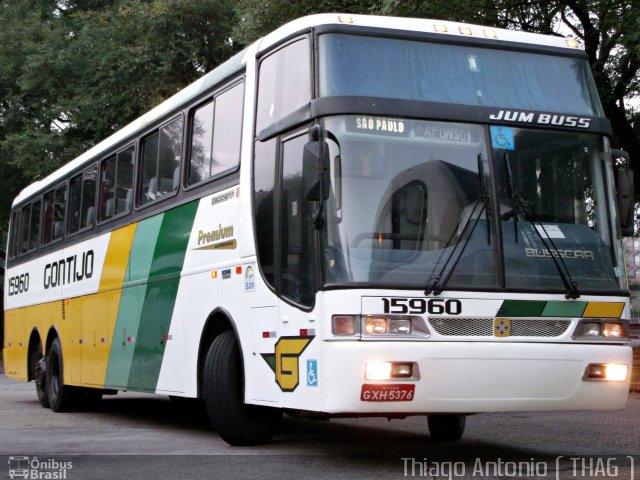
72	72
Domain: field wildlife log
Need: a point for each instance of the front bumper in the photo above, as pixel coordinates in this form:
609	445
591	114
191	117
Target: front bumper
474	377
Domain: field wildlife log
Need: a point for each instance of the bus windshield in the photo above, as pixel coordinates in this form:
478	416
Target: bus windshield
406	193
436	72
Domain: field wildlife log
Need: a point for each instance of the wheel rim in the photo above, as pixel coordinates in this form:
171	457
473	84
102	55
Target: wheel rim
55	375
39	373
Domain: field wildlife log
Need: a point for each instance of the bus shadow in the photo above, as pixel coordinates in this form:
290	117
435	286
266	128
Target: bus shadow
390	441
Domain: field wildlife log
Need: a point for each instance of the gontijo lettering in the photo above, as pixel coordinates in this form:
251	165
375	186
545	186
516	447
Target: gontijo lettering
69	270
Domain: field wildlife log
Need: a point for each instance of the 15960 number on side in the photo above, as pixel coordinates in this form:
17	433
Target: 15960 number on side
418	306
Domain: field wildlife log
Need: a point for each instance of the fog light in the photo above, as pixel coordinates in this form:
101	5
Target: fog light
615	372
401	370
378	371
611	372
344	324
613	330
375	325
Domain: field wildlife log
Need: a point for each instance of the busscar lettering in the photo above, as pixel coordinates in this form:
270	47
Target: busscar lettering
541	118
74	268
567	253
223	197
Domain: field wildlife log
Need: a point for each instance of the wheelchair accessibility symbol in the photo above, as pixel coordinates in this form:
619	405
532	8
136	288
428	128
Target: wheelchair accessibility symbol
312	373
502	138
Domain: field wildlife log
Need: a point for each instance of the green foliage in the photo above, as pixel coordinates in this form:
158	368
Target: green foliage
74	72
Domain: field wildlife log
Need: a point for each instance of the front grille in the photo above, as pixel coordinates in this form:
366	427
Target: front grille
483	327
463	327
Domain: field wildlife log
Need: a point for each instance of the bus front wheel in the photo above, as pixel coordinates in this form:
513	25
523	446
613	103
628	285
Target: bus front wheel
235	422
446	428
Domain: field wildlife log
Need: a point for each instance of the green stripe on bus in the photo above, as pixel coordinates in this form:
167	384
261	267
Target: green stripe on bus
160	296
564	309
521	308
131	302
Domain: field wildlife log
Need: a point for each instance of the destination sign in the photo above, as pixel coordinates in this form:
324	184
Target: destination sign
419	129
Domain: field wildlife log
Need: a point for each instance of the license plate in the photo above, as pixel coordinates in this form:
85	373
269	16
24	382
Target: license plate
387	392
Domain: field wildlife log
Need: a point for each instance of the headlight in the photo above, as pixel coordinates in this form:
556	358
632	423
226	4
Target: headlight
375	325
389	324
613	329
379	326
591	329
601	329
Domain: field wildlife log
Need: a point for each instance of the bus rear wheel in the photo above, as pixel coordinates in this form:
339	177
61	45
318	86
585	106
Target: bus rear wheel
61	397
38	367
236	423
446	428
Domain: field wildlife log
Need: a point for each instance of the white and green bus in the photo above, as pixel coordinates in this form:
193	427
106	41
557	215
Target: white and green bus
355	216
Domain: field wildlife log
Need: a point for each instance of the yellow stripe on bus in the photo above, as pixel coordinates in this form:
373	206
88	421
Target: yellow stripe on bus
604	309
115	263
98	313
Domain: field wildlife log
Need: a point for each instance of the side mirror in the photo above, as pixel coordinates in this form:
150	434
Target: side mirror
625	193
315	169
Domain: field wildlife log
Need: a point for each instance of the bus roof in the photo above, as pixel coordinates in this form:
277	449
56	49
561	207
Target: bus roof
235	63
442	27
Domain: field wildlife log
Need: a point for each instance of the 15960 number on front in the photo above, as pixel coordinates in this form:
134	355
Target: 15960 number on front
419	306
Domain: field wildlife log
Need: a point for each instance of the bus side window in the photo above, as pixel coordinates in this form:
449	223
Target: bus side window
284	84
83	198
263	200
24	229
216	129
15	234
47	220
116	182
59	202
34	227
296	230
161	152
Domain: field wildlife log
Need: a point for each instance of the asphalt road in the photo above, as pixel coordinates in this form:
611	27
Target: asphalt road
145	436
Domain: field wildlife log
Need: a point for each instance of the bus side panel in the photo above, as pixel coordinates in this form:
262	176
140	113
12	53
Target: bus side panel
212	278
15	347
97	313
146	307
131	302
19	324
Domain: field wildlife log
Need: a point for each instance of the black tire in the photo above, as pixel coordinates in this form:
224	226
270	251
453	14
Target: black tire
236	423
446	428
38	366
61	397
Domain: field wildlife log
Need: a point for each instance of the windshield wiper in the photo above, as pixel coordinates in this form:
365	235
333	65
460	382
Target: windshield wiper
435	285
518	205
